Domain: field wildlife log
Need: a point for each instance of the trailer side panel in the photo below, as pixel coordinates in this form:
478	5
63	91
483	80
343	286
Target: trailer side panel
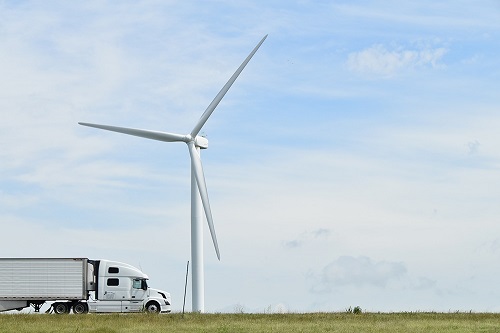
43	278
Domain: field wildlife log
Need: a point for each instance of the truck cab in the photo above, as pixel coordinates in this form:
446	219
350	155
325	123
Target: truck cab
119	287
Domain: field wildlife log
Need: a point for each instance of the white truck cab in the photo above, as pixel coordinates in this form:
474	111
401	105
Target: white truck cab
119	287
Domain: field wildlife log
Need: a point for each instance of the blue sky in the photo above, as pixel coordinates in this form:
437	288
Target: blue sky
354	162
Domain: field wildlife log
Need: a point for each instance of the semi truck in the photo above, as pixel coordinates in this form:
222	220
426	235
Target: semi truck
80	285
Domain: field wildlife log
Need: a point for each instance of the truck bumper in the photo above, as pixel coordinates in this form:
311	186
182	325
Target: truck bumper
165	306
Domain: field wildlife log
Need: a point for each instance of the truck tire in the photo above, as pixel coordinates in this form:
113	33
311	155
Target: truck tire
152	307
80	308
60	308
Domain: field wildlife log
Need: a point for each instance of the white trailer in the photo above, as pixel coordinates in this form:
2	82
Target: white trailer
77	284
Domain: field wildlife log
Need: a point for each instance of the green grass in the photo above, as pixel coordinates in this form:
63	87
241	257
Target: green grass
310	322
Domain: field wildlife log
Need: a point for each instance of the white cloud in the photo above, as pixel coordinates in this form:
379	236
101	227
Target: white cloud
473	147
359	272
377	60
321	233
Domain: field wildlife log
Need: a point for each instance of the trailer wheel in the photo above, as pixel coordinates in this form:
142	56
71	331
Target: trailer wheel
152	307
60	308
80	308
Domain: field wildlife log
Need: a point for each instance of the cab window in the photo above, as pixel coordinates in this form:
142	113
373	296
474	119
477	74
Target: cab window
137	284
113	282
113	270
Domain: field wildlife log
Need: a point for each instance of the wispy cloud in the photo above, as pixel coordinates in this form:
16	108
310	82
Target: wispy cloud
358	271
320	233
379	61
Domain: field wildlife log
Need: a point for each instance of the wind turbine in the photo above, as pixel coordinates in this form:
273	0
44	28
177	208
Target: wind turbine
199	194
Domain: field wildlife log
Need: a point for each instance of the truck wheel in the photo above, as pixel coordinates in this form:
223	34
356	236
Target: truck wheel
153	307
61	308
80	308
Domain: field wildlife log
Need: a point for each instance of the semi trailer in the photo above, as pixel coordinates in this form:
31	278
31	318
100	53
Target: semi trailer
80	285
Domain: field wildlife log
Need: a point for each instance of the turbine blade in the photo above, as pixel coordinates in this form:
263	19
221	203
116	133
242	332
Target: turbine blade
223	91
202	187
153	135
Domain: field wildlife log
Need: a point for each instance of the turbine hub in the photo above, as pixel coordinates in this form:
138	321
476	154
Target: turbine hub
201	142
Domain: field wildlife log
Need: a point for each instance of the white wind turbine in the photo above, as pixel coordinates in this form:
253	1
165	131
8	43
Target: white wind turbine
199	194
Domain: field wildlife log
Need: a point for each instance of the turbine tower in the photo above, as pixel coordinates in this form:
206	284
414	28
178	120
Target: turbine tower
199	194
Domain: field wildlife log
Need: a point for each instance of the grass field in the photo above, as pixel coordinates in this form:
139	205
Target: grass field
311	322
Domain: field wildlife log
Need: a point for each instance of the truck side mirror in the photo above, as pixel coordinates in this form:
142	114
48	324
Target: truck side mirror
144	285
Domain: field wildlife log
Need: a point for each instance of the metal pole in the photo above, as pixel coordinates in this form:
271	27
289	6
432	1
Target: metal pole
185	289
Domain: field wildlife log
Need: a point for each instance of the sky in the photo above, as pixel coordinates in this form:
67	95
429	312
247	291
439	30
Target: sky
355	161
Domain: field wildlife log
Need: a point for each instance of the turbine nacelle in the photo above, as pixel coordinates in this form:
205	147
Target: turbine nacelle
201	142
